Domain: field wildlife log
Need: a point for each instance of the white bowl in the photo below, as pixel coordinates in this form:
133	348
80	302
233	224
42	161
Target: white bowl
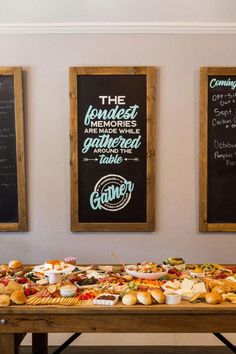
142	275
173	299
68	291
98	301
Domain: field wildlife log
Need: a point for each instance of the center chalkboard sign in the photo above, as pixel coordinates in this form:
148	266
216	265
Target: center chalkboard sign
12	175
111	151
218	149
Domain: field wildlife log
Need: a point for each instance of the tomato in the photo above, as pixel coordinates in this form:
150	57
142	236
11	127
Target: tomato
86	296
30	291
21	280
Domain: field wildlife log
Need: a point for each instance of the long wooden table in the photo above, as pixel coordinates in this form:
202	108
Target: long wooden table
15	321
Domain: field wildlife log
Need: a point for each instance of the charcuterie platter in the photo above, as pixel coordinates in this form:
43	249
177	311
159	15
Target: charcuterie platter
58	282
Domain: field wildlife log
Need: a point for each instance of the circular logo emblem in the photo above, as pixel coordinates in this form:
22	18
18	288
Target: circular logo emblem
111	193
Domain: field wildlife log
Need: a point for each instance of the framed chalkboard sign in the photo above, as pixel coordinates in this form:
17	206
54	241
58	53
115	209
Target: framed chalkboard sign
112	148
12	161
218	149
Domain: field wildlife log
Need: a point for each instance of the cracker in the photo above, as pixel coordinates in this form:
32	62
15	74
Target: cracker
51	289
45	300
31	300
37	301
57	300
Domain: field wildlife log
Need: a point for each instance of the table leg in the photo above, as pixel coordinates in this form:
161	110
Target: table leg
18	339
39	343
7	343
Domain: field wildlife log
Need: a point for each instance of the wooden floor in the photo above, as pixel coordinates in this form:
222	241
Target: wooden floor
137	350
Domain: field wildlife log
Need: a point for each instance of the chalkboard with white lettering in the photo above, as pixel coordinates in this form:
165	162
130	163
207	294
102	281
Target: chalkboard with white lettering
8	173
218	149
113	149
12	217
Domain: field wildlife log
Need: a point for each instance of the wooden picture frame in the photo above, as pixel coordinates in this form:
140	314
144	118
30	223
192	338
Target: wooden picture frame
12	169
94	83
216	162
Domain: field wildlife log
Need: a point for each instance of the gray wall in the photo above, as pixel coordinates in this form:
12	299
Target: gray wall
45	60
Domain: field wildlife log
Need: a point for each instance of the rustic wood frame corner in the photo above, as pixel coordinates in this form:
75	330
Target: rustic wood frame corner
150	73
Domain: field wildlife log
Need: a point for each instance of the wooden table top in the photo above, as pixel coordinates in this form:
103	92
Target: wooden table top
183	307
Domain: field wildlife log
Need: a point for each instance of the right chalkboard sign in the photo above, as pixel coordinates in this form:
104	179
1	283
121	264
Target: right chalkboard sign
218	149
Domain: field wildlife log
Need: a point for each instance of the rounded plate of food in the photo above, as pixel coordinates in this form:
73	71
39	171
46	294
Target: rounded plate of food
146	270
47	268
175	262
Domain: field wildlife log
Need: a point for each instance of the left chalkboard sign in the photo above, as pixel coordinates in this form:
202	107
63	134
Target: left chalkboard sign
13	215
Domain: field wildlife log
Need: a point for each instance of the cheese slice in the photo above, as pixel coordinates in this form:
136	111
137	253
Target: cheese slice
185	294
187	284
172	285
199	288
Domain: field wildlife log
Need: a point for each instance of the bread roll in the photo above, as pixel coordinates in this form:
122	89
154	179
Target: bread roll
4	300
15	264
129	299
158	295
214	298
144	298
18	297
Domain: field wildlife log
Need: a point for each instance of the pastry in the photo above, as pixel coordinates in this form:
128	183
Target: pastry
4	300
18	297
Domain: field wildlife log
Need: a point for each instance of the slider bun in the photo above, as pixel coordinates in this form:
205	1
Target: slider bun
129	299
144	298
15	264
158	295
4	300
18	297
214	298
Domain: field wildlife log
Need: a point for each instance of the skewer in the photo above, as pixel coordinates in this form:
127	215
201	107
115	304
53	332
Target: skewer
117	258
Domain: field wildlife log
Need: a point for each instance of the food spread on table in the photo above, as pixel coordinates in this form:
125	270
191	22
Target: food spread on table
146	283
